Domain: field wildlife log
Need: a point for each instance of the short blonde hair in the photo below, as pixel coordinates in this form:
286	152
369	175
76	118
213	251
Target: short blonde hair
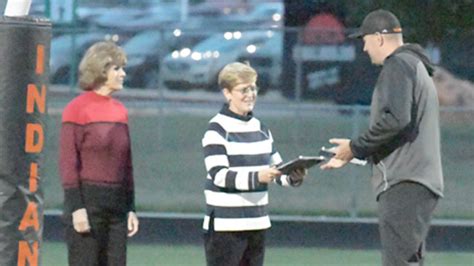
96	62
236	73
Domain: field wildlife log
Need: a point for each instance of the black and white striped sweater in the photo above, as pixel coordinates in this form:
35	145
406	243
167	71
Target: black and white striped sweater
235	149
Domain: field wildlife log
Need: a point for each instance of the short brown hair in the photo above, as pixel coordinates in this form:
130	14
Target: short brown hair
96	62
236	73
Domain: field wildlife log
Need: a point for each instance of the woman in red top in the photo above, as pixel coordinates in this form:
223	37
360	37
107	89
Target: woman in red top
95	163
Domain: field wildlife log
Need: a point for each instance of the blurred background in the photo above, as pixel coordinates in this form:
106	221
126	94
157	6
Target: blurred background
315	84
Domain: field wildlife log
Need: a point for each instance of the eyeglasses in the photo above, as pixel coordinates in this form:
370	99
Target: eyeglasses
247	90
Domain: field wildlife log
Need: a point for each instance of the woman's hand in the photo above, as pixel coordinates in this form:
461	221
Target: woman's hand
267	175
80	221
132	224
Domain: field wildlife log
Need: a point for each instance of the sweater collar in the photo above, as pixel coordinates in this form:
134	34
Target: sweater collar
97	96
226	111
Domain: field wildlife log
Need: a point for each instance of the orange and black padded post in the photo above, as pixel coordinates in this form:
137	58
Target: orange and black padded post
24	54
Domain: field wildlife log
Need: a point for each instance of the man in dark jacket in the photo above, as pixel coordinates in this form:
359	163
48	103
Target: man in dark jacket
402	142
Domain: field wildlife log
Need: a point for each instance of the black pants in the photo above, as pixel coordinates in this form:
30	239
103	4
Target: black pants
104	245
234	248
405	213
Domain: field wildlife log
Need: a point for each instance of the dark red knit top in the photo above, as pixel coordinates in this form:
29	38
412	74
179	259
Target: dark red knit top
95	160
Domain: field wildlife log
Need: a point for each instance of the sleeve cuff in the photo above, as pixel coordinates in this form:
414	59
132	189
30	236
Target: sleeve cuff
131	202
72	200
254	184
358	152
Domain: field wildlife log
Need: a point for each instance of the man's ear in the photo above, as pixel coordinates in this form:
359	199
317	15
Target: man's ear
380	39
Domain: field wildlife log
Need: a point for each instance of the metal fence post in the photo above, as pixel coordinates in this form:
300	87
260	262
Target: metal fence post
356	113
299	68
74	67
161	94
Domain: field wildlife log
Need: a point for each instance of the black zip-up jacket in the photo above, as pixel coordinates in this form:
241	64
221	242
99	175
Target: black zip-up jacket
403	139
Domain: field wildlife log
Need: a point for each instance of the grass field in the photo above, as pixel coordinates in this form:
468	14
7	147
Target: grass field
169	168
54	254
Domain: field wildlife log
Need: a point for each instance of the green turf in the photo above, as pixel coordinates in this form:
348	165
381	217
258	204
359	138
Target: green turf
169	168
54	254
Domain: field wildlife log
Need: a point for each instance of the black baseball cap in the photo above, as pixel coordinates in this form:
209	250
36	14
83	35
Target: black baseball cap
381	21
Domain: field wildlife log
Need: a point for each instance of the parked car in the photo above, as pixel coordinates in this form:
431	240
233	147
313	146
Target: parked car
88	15
66	51
144	51
267	61
218	8
199	66
114	17
207	26
129	22
150	21
268	14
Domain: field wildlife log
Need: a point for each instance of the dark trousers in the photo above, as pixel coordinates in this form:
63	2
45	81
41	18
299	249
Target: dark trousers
405	212
104	245
234	248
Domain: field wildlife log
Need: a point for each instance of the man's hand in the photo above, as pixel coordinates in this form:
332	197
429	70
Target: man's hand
80	221
333	163
267	175
342	154
132	224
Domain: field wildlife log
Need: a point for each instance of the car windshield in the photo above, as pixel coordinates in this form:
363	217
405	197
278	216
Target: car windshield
219	43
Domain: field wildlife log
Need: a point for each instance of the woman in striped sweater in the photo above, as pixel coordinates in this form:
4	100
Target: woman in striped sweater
240	161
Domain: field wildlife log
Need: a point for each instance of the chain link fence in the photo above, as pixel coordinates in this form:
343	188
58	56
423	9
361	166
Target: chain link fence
315	85
169	167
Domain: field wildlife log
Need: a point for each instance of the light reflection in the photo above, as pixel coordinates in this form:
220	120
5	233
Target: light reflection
196	56
276	17
175	54
251	49
207	54
185	52
237	35
228	35
177	32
